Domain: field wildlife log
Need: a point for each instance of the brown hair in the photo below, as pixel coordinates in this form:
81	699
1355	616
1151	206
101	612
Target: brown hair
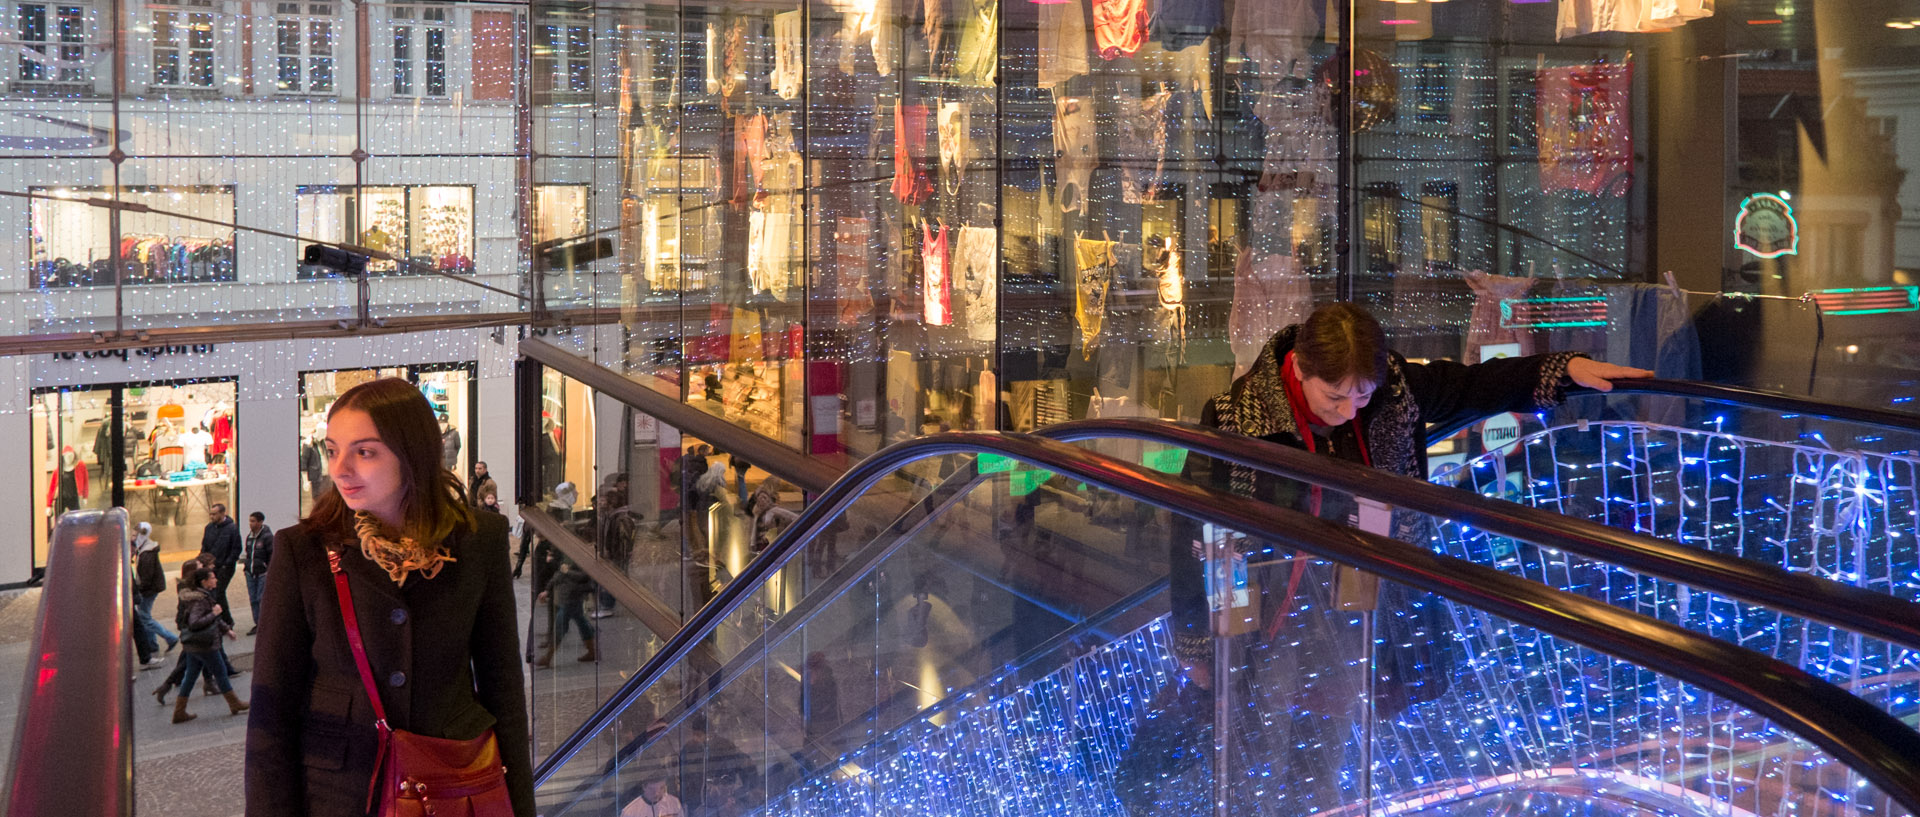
1341	340
432	502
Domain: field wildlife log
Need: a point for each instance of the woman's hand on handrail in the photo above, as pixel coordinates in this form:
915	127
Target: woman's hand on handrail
1599	375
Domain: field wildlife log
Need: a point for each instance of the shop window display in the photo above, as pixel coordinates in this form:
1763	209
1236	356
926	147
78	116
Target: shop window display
72	245
431	226
175	456
449	389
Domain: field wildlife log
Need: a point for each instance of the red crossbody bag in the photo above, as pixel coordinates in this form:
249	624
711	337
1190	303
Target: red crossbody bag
415	775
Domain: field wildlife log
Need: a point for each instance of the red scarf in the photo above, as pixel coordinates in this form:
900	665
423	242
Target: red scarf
1304	417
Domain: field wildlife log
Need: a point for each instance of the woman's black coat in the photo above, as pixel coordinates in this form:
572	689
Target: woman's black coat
445	654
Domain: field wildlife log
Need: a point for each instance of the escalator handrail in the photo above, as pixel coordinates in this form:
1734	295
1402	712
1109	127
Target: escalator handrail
1734	395
1855	609
1875	744
73	740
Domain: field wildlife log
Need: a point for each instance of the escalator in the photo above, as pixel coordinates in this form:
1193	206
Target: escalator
926	674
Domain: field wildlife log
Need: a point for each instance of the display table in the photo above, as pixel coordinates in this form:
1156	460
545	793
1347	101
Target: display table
178	492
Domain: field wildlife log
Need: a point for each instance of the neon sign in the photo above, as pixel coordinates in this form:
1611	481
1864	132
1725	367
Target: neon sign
1766	227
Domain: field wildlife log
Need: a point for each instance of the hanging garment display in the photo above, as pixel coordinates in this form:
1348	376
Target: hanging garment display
1163	261
1274	35
1269	294
1483	327
1585	129
956	137
933	25
1578	17
780	165
1094	265
976	266
936	287
733	58
986	399
711	59
660	277
910	184
770	245
1182	24
753	145
868	22
1063	43
1143	145
853	257
1119	27
788	59
1073	142
979	57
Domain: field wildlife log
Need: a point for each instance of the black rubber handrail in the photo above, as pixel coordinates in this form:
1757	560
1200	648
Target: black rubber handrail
1851	608
1872	742
1735	395
73	741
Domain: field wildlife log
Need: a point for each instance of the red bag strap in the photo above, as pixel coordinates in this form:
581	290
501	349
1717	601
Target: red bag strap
366	671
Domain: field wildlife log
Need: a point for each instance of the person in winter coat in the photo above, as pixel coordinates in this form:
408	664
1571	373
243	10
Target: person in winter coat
222	539
149	581
186	584
481	484
201	629
1331	386
568	588
255	554
433	598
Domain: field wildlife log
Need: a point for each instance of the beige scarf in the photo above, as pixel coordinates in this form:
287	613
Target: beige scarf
400	557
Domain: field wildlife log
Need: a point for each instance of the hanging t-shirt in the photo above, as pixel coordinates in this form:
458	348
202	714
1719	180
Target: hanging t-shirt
788	30
1269	293
1073	142
1094	265
937	288
955	138
1063	43
979	57
976	272
1578	17
1143	145
1585	129
1185	23
853	254
1119	27
1273	35
910	183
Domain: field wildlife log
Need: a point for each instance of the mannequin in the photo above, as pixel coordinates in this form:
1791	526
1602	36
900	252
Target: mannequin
166	447
449	444
219	423
68	485
313	460
196	444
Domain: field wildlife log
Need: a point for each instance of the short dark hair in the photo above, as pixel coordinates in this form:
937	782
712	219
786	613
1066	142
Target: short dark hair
202	575
222	506
257	516
1341	340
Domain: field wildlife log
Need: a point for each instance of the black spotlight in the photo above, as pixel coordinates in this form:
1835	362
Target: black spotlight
346	263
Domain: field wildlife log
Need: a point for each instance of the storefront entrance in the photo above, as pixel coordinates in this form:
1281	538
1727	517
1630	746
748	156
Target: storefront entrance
164	451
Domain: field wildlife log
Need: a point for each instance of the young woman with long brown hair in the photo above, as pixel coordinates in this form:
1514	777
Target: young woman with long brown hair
430	587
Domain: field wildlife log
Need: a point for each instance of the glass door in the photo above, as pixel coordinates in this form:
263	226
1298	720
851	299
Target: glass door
73	463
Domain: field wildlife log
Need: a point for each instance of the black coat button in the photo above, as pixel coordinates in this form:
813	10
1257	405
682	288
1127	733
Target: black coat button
398	678
399	616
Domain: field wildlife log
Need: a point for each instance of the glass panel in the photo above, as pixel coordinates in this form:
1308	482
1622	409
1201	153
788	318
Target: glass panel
73	463
930	675
676	517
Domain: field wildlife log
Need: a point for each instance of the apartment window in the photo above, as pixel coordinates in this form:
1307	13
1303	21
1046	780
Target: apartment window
563	56
183	46
303	48
53	42
420	37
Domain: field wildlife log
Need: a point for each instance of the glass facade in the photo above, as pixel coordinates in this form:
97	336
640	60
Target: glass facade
841	223
450	388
